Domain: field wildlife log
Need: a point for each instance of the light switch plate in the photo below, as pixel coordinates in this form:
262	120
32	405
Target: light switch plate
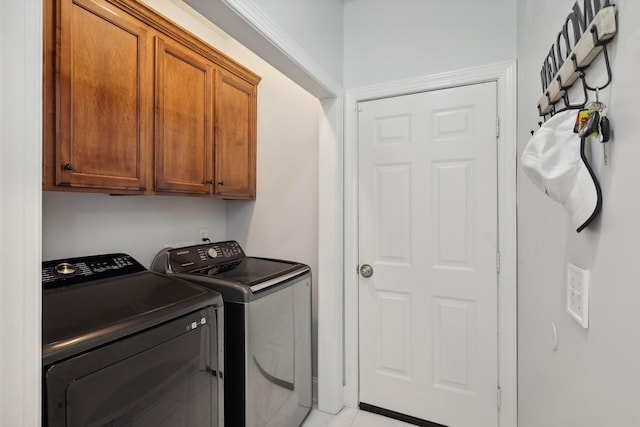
578	294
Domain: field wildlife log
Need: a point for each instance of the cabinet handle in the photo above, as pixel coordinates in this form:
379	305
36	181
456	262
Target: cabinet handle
209	181
220	182
68	167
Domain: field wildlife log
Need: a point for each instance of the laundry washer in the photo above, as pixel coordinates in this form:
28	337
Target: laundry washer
267	329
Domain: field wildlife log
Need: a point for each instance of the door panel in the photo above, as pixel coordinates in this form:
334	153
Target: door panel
394	211
235	143
453	214
102	87
183	116
428	227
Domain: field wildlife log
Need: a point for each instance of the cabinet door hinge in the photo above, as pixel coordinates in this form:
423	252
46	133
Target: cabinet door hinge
497	262
499	397
497	127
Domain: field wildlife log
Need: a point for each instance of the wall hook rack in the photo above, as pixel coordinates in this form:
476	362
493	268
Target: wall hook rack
585	33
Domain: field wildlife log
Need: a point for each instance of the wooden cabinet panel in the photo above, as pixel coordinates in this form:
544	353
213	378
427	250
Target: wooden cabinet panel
183	119
235	141
102	135
136	104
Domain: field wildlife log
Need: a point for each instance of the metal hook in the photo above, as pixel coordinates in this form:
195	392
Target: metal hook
608	67
596	105
567	103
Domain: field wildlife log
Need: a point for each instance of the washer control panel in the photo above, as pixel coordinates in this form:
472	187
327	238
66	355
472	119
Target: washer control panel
71	271
206	255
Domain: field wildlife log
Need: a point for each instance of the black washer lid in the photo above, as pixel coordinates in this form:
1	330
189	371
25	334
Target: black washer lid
79	317
251	271
248	279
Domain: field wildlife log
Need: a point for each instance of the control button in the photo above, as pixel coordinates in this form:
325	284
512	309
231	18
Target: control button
48	275
212	253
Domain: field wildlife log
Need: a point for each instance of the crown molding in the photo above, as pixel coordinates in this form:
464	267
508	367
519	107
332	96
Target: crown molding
248	24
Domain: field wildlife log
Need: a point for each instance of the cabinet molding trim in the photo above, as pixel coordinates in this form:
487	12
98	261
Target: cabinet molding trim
160	23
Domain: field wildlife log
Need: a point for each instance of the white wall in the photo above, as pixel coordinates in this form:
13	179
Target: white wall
283	220
78	224
316	26
302	39
591	381
395	40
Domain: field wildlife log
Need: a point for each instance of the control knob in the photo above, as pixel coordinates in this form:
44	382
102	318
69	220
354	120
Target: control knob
212	253
65	269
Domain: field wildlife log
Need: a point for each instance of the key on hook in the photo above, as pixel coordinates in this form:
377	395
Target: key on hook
591	125
605	133
604	128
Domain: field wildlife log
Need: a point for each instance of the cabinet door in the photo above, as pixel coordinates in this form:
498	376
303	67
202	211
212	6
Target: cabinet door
103	110
183	119
235	141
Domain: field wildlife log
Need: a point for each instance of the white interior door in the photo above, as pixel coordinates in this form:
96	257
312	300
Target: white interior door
428	319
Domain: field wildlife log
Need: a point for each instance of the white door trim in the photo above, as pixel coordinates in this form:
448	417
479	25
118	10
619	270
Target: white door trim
504	74
21	213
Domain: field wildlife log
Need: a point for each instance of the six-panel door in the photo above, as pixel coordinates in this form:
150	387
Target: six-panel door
428	229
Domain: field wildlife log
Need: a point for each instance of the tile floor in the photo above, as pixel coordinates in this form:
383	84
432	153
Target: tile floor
350	417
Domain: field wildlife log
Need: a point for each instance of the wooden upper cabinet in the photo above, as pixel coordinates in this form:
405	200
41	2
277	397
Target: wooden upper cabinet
235	139
133	104
183	119
102	72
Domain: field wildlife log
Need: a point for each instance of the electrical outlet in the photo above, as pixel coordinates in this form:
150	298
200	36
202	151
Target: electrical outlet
203	235
578	294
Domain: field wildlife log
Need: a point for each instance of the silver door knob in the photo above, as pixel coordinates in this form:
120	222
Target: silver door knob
366	270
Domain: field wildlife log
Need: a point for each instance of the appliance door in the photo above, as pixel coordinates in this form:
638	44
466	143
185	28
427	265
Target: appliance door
164	376
279	356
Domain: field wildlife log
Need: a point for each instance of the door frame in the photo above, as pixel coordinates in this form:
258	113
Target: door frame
504	74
